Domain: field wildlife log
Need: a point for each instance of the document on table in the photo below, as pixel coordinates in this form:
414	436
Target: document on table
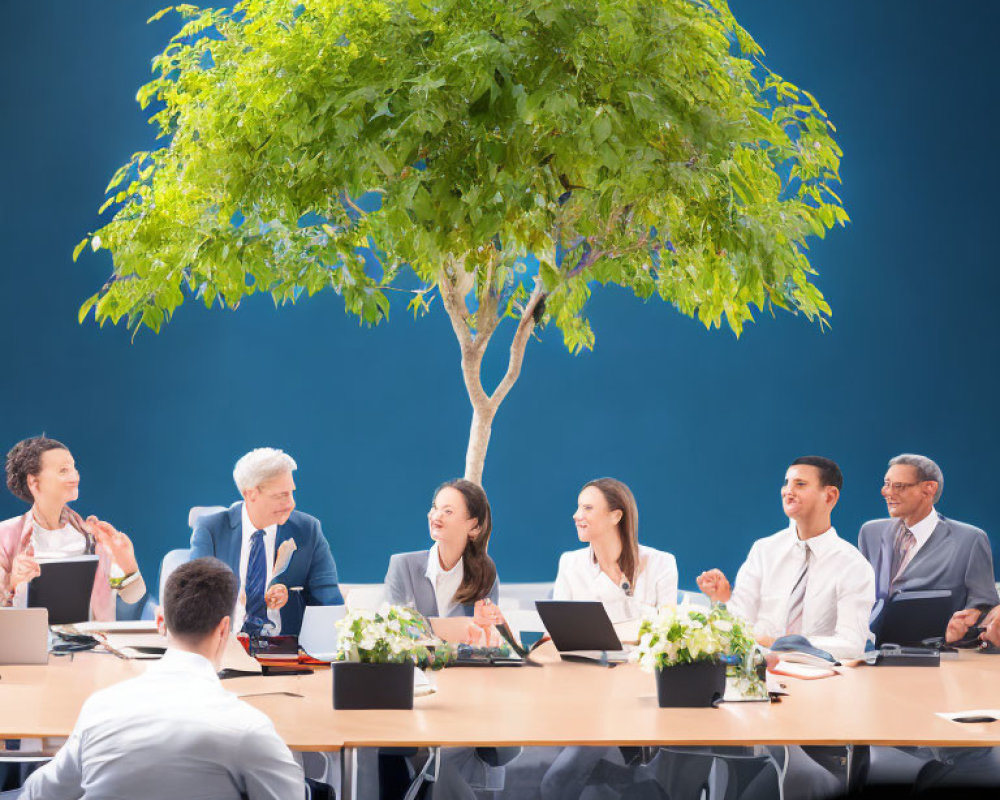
803	671
137	646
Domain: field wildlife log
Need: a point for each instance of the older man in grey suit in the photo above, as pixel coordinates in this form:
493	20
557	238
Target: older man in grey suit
918	548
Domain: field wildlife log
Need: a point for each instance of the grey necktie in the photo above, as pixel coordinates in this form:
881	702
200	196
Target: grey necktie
900	554
796	603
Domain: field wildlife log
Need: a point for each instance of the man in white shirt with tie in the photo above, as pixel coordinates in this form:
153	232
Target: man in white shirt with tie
804	579
175	732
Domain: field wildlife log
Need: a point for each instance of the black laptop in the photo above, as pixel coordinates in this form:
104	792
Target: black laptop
64	588
581	629
912	618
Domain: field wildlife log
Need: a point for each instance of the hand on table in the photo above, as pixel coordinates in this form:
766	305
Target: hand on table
276	596
714	584
765	641
23	569
117	543
991	623
960	623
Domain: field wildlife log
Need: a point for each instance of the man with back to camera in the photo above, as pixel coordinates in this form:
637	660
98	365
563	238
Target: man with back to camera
270	546
174	731
805	580
918	549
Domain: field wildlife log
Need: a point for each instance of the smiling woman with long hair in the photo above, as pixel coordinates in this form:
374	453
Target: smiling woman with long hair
42	472
629	578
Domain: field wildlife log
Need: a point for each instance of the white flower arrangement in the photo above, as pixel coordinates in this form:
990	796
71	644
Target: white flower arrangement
686	634
390	635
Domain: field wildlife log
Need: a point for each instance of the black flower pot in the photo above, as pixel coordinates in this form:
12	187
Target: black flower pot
367	686
697	685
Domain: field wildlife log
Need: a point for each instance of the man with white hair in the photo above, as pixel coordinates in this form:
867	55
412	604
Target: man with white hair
270	546
918	549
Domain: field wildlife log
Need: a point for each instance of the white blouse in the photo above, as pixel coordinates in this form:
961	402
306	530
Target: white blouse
580	578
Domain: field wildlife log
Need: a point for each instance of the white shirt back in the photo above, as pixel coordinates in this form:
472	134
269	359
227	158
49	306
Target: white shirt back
171	733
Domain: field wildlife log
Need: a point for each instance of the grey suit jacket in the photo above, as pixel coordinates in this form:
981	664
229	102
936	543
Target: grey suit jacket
956	557
406	581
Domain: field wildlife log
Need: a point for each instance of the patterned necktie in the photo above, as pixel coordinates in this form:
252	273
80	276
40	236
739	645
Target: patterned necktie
796	602
256	578
901	554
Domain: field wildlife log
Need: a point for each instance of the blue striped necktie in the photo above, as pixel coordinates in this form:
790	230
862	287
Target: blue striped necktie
797	599
256	579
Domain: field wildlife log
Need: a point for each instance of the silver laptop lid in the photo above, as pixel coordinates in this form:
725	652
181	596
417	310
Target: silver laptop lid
318	636
24	636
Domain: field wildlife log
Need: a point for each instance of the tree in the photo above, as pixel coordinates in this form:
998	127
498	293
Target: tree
641	143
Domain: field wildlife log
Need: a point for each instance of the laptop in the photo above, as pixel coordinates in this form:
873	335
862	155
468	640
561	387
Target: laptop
581	630
64	588
318	635
911	618
24	636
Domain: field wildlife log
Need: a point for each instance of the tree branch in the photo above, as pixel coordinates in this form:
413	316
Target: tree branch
517	347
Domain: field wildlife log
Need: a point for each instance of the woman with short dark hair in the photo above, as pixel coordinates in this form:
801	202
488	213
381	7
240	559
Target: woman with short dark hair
42	472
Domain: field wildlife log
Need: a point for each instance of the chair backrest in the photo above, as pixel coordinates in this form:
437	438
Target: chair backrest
368	596
692	597
171	561
197	512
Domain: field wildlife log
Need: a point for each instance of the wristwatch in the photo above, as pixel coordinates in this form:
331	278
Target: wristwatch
125	580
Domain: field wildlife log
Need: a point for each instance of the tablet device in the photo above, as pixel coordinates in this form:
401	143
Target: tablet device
64	588
578	625
24	636
909	618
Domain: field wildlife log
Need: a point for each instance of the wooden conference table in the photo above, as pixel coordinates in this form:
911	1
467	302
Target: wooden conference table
559	703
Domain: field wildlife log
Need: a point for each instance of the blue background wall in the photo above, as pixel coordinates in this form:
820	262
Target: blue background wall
701	425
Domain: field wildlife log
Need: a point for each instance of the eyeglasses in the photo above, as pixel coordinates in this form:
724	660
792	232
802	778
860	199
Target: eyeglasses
898	486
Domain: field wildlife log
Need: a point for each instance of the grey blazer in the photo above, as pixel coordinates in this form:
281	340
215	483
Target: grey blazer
406	581
955	557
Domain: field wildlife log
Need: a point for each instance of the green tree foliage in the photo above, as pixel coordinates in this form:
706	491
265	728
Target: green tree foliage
637	143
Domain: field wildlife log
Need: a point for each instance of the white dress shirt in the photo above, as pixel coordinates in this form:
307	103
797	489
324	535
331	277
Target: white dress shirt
839	595
445	582
580	578
921	533
270	534
171	733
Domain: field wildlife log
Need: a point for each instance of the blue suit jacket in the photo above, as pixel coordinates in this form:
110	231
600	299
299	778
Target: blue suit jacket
311	567
407	582
956	557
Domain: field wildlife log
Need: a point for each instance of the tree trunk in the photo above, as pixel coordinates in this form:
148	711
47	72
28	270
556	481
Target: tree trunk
454	286
479	441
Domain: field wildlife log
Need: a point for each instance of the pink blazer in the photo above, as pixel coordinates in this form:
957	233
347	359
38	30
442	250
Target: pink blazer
15	538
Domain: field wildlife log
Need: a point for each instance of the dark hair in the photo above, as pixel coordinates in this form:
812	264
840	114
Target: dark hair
829	472
24	459
619	498
479	573
197	596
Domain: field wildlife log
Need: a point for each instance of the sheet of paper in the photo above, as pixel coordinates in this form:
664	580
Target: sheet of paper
803	671
128	645
118	626
236	658
628	631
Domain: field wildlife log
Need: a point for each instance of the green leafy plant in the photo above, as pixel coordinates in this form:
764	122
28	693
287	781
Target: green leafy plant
390	635
503	156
